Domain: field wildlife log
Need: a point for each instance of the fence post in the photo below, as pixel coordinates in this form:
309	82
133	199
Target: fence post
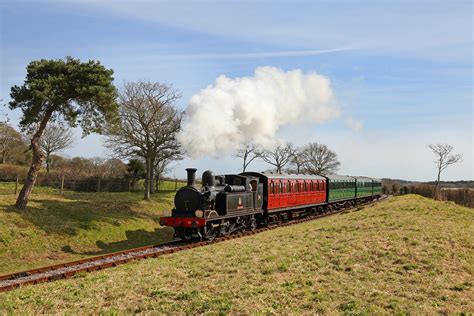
176	184
129	185
16	185
98	186
62	185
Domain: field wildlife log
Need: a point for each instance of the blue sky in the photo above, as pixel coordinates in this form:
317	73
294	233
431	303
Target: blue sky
403	69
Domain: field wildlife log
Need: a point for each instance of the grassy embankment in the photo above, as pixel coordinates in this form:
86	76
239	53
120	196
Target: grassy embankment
57	228
407	254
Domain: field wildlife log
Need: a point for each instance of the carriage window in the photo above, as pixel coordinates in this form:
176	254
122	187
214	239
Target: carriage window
281	187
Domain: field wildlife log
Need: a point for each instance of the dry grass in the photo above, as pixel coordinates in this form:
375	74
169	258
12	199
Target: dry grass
408	254
58	228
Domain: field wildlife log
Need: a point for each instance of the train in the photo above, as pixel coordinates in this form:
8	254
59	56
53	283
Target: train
225	204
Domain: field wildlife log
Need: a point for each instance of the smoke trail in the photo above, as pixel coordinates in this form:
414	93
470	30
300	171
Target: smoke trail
222	117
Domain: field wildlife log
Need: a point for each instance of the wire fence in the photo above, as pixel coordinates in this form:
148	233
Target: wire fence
96	184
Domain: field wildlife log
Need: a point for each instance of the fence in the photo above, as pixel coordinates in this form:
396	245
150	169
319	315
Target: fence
97	184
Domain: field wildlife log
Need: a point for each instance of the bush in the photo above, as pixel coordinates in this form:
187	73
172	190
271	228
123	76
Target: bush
461	196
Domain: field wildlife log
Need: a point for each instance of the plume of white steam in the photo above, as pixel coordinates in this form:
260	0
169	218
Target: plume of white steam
224	116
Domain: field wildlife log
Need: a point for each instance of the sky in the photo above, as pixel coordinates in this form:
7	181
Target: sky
401	71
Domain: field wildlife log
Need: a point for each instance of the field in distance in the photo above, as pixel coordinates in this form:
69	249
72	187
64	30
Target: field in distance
56	228
406	254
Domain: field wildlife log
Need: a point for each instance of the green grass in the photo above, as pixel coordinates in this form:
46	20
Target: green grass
405	255
57	228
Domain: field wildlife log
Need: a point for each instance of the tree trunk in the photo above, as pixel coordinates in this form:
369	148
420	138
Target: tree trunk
439	177
437	193
152	176
47	162
157	182
147	178
37	161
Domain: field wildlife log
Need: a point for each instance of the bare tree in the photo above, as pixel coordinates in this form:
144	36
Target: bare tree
279	157
318	159
12	145
444	158
55	138
297	161
147	125
249	152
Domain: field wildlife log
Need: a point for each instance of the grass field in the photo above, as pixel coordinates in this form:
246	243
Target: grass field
407	254
58	228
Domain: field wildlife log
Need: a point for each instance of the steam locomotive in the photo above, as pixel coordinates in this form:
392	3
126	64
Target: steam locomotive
235	202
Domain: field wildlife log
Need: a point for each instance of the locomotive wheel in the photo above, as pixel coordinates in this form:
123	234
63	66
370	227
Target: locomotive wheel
253	224
210	232
224	228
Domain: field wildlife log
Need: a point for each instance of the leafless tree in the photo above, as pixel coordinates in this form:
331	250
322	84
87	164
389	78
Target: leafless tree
297	161
318	159
55	138
279	157
147	125
249	152
12	144
444	158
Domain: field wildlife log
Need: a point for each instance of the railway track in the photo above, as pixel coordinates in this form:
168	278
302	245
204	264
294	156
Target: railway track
67	270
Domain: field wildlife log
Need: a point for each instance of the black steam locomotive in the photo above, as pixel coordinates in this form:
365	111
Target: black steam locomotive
223	205
228	203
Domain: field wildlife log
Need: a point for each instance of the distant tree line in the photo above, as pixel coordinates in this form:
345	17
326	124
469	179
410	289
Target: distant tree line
312	158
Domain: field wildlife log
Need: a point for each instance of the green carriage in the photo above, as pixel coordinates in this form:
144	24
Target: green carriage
377	186
363	186
341	188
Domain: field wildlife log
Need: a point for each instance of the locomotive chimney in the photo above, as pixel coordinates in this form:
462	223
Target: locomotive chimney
191	176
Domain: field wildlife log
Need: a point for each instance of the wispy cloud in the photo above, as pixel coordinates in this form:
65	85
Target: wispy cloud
274	54
394	28
354	125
